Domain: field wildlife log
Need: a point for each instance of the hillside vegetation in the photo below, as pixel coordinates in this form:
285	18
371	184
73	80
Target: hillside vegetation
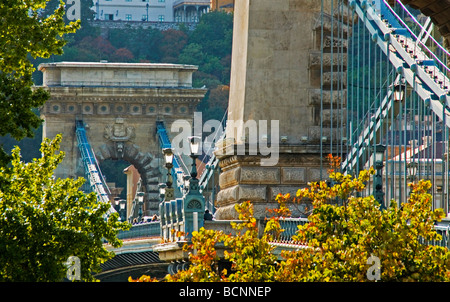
207	46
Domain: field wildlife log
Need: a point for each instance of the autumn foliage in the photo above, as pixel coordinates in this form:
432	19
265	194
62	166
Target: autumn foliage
334	245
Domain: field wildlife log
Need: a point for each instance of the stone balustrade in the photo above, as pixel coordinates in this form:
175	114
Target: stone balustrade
172	220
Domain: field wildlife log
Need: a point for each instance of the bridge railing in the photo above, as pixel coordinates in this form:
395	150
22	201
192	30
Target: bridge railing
443	230
177	171
91	167
430	46
290	227
141	230
418	115
172	224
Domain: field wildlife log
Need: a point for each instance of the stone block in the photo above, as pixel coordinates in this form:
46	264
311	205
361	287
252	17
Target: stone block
252	193
229	178
153	196
152	188
292	175
317	59
117	74
226	212
104	152
314	133
260	175
337	97
132	151
150	174
267	5
314	174
335	117
241	193
155	163
154	180
227	196
274	191
146	159
335	79
335	42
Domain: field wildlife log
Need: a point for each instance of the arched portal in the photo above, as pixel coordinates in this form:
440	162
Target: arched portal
148	166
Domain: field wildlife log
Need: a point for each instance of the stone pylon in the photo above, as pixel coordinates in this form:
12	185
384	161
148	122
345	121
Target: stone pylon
279	107
119	104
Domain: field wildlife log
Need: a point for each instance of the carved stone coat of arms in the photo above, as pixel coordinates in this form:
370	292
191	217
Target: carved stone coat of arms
119	132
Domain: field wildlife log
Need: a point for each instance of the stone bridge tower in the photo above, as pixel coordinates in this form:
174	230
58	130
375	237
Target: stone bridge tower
276	76
119	104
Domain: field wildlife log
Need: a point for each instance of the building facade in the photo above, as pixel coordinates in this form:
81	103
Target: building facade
190	10
151	10
134	10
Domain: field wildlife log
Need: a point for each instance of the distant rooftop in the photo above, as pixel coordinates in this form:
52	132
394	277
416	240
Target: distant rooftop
117	74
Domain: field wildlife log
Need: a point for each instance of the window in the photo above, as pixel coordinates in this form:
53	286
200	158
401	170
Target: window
161	0
128	17
109	17
161	18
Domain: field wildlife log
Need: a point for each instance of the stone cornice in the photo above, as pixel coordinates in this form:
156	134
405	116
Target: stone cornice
123	92
94	74
120	100
143	100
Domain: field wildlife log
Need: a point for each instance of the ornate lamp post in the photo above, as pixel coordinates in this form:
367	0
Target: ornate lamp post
378	177
140	196
186	179
194	202
122	209
168	158
399	91
411	168
116	203
162	191
194	144
412	171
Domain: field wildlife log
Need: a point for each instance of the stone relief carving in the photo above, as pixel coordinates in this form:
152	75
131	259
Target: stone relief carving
119	132
335	42
316	59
